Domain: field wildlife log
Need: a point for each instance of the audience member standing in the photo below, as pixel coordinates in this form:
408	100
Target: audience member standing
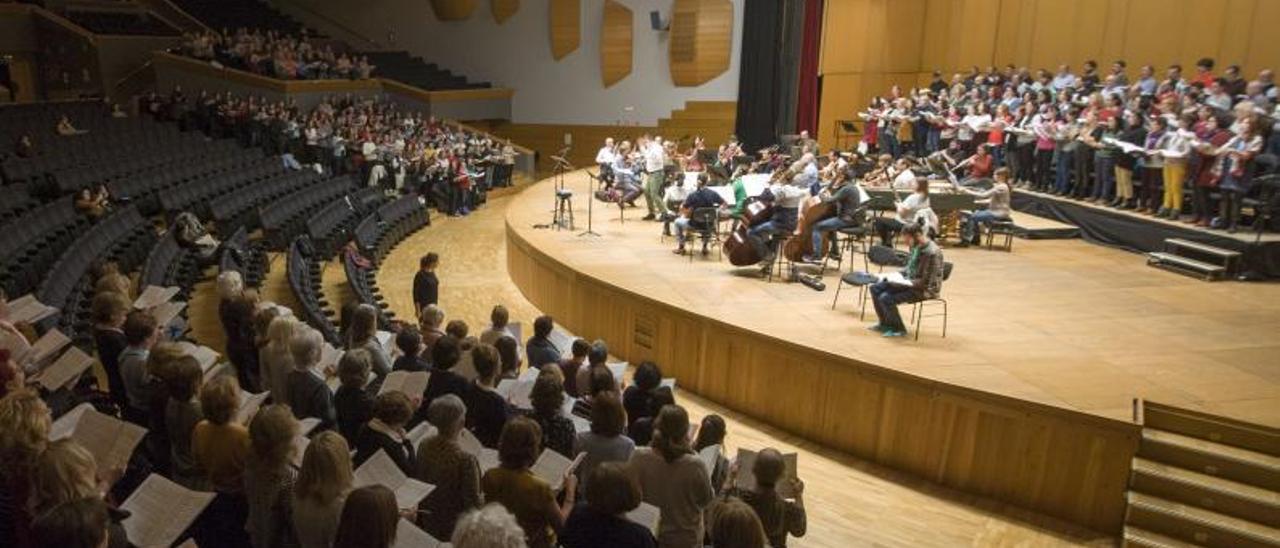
674	479
442	463
321	489
426	286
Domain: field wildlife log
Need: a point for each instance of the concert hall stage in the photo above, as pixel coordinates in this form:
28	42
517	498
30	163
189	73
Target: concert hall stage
1141	233
1046	349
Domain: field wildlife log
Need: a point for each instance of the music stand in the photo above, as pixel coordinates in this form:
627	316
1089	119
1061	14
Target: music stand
590	200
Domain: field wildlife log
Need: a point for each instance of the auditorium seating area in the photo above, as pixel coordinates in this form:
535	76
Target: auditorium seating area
413	70
127	23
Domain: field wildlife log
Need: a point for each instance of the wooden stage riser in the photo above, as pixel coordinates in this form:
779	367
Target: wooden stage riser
1059	462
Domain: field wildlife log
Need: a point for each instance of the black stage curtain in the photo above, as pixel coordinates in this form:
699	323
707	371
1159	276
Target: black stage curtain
760	79
1141	235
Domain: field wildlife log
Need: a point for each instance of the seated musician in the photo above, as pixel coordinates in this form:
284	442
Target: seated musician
997	208
624	176
923	271
904	176
980	164
700	198
882	174
847	197
604	159
907	211
739	194
787	197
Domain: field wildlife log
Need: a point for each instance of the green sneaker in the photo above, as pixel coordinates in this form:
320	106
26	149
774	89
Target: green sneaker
893	333
877	328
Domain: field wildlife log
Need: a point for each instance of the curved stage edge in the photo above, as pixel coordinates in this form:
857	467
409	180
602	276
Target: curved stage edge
1060	462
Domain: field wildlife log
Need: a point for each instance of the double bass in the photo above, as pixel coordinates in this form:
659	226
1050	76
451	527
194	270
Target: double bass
811	211
737	246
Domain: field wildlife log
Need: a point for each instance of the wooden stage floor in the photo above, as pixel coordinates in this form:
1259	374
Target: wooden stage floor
1060	322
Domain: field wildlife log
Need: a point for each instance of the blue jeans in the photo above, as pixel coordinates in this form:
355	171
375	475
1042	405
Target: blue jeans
1105	175
889	143
979	217
1062	171
682	225
886	297
822	227
933	141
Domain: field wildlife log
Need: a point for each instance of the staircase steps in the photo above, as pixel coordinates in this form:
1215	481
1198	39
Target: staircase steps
1196	259
1203	480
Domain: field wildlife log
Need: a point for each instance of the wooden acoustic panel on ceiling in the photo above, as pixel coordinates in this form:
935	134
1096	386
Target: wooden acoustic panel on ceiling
566	27
615	42
503	9
701	40
453	10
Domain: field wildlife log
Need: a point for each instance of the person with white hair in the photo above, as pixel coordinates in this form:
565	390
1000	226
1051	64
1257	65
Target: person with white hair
444	464
230	285
308	394
489	527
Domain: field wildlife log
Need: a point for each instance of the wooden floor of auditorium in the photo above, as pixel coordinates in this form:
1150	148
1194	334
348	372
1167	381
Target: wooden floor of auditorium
1092	324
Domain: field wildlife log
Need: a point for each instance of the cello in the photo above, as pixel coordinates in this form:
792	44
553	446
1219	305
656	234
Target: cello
737	245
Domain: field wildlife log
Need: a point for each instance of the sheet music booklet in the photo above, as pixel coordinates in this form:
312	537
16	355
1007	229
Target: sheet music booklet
381	470
552	467
160	510
409	383
110	440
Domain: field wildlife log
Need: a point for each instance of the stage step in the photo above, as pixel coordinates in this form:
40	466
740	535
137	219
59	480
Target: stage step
1137	537
1204	491
1197	525
1213	459
1212	428
1184	265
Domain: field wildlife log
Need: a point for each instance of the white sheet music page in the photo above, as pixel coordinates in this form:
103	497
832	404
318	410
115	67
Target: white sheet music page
381	470
65	370
160	510
154	295
647	515
409	535
409	383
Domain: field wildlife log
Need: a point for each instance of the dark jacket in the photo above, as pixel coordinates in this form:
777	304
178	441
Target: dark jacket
354	407
541	351
588	528
369	441
109	344
310	397
426	289
487	412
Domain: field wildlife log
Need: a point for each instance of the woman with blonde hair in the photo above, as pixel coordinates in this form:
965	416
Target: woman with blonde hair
369	519
269	476
221	446
363	334
24	432
320	489
274	359
181	414
66	472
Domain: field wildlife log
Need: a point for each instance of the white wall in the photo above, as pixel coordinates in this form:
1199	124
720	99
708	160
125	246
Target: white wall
517	54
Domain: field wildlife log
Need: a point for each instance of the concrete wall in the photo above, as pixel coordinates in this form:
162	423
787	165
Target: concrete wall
517	54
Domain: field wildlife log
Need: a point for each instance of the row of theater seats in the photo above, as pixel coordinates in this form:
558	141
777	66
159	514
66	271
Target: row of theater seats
262	183
304	270
109	142
33	241
330	228
248	257
170	265
375	236
287	216
123	236
128	23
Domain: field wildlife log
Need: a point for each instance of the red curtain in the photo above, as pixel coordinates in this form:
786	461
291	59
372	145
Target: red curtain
807	95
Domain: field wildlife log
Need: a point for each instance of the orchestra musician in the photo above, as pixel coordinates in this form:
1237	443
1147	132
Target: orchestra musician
703	197
625	179
655	170
908	212
923	277
882	173
848	197
787	197
605	157
998	205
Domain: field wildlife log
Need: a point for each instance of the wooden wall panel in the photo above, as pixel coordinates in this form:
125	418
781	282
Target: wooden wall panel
615	42
1059	462
566	27
503	9
871	41
701	40
453	10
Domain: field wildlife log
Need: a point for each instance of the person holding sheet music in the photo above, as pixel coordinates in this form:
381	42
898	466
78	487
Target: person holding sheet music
513	484
353	401
182	413
712	431
1235	159
442	462
602	520
141	333
364	334
221	447
409	341
606	440
923	274
539	348
81	523
274	358
571	365
109	311
547	397
24	434
487	410
269	477
1174	148
1210	136
65	473
386	432
369	519
778	516
1104	164
309	396
674	479
998	206
320	489
12	378
1134	133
